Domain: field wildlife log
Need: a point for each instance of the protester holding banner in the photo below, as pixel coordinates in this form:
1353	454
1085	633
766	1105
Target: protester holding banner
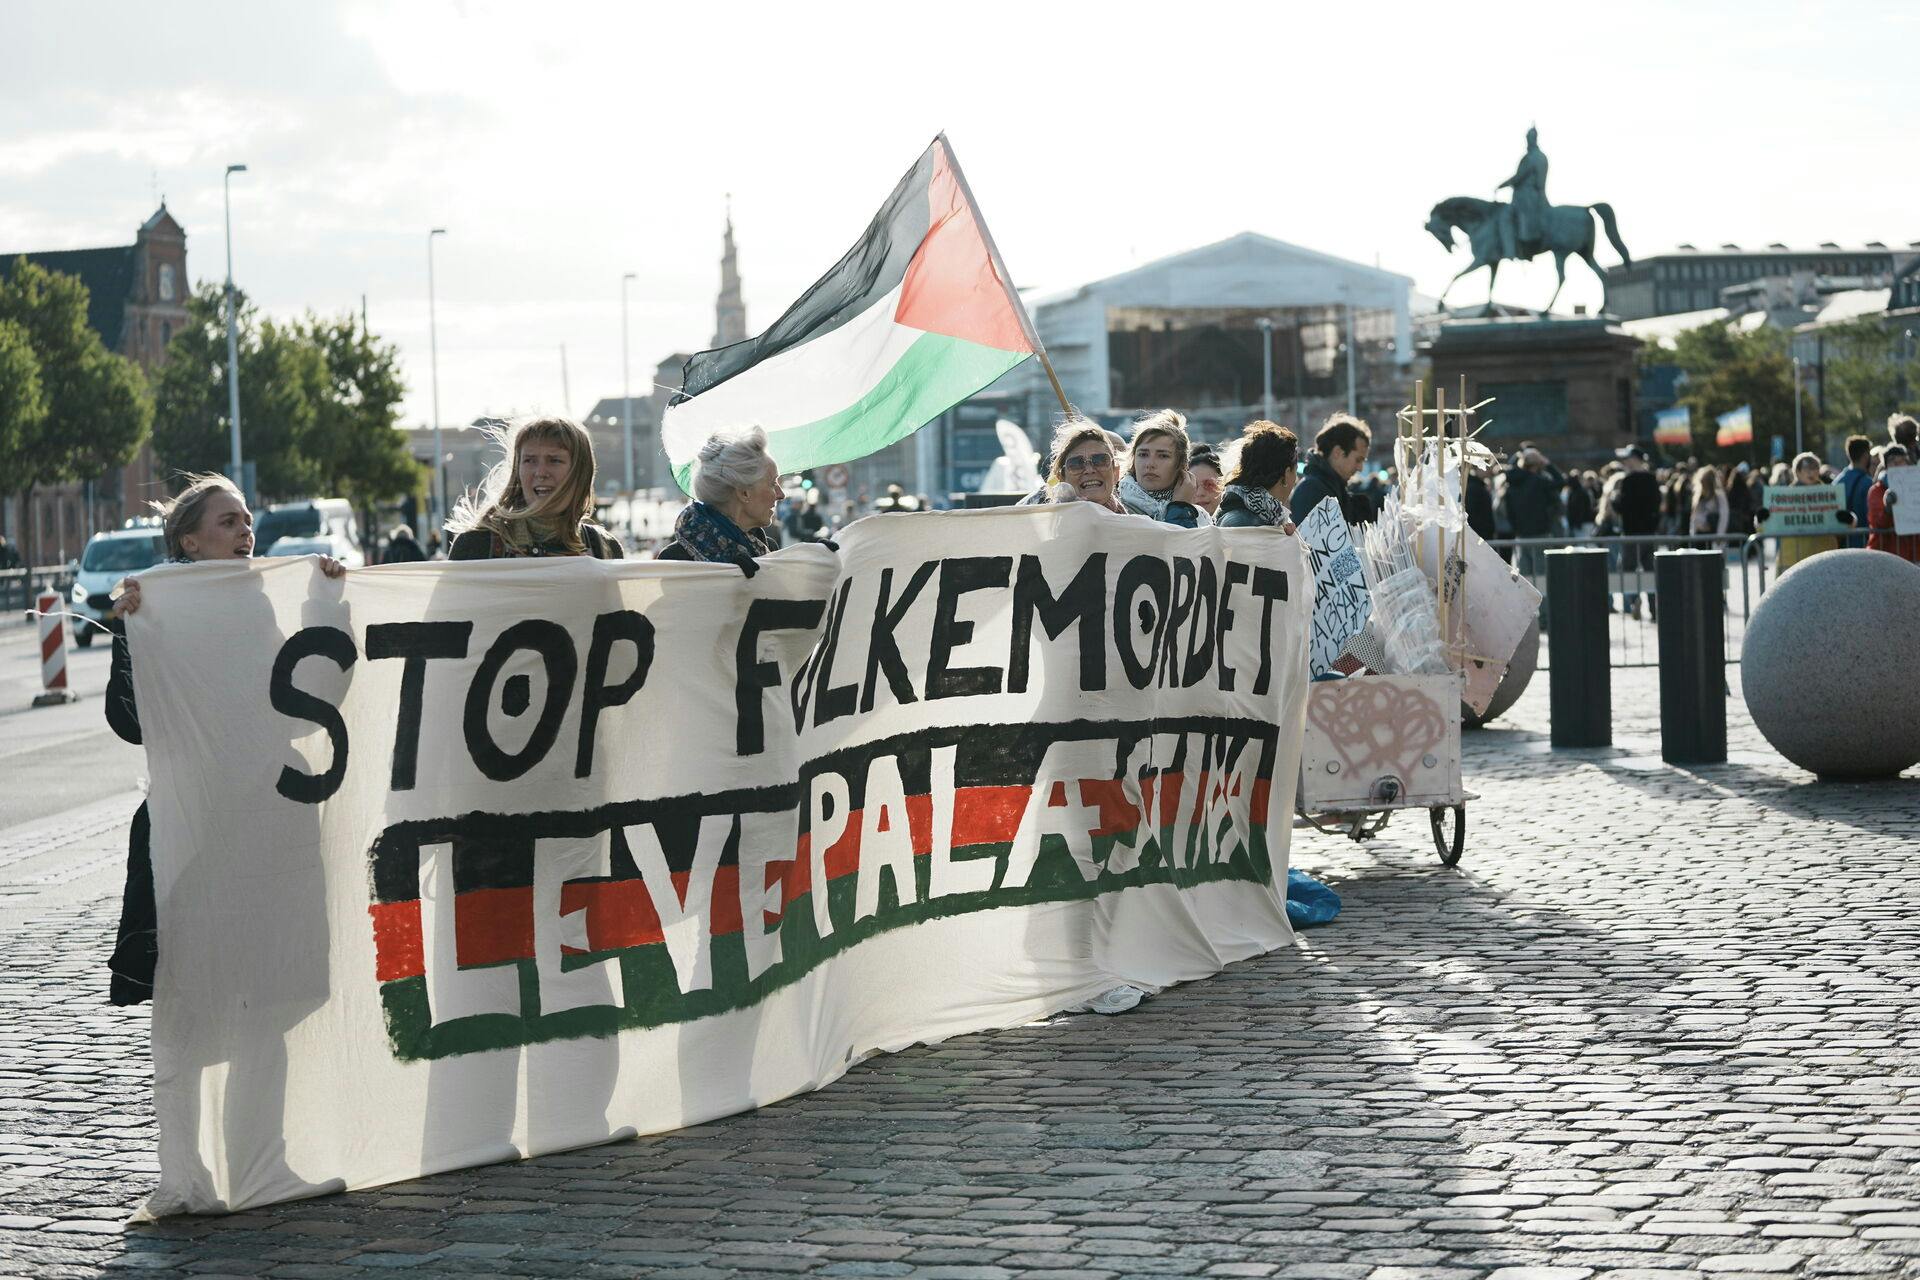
208	521
1806	471
1158	484
1261	479
537	501
1085	466
736	486
1881	536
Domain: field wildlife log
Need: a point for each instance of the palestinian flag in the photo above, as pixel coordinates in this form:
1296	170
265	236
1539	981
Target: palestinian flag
914	319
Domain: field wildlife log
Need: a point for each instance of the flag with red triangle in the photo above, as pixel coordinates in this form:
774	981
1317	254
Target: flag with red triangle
915	318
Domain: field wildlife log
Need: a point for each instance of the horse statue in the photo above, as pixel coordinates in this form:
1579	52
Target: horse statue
1489	227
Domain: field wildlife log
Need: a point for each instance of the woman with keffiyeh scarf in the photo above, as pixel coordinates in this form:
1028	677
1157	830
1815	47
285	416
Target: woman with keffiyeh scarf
1264	471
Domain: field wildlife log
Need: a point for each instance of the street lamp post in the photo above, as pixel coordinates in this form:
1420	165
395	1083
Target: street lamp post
1266	367
233	332
433	359
626	386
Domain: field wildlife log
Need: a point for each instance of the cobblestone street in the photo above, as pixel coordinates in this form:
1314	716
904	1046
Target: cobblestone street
1660	1022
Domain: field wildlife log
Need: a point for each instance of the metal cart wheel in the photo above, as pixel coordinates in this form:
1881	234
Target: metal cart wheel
1449	848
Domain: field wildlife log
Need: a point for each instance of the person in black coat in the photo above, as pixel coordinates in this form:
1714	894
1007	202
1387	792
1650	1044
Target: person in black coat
1339	451
537	502
1262	477
208	521
402	548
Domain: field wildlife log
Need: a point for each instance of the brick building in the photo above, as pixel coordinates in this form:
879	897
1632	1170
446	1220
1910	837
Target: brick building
137	301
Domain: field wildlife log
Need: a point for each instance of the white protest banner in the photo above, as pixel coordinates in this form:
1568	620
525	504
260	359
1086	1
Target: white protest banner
460	863
1903	497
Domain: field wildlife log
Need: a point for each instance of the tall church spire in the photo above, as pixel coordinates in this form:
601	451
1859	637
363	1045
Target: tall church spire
729	310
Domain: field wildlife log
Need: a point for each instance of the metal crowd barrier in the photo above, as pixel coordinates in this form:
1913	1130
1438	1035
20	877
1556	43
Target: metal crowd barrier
1633	634
20	587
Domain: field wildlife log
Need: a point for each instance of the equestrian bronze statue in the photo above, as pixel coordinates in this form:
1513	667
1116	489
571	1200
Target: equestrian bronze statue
1521	229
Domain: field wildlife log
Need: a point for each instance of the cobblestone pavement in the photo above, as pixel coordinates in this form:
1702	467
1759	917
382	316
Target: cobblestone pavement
1661	1022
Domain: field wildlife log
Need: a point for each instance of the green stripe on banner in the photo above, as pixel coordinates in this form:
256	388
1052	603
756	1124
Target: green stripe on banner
936	373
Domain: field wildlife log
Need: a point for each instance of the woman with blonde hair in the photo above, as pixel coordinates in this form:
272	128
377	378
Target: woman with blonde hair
1711	511
1158	484
209	520
736	488
1791	551
537	500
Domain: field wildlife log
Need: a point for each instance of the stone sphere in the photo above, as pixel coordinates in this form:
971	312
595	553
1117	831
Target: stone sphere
1826	664
1526	660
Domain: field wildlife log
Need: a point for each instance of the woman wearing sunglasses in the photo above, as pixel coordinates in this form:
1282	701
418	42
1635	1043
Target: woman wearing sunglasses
1084	466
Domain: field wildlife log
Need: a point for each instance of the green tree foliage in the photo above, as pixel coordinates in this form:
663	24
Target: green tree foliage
23	402
318	404
1868	372
97	410
354	441
1726	368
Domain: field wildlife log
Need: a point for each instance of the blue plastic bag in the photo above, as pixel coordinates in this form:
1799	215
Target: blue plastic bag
1308	901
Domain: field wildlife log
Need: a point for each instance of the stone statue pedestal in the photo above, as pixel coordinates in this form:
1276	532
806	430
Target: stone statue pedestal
1564	382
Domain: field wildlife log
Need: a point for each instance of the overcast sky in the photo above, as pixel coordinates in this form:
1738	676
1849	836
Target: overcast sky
563	145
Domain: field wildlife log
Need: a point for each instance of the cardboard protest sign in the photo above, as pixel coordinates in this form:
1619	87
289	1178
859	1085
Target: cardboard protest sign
1340	605
465	862
1804	509
1903	498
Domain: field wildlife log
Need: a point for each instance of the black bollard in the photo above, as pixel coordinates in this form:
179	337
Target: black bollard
1693	656
1580	690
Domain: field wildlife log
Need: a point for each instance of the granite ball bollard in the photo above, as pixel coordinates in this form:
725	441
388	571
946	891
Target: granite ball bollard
1526	660
1815	649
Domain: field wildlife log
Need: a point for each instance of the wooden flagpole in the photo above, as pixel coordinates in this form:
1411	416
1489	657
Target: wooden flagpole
1006	280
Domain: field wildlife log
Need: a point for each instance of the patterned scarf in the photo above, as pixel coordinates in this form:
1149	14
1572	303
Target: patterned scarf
1144	502
1263	504
706	532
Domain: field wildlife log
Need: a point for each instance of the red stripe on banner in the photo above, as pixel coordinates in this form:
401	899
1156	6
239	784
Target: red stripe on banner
496	925
951	287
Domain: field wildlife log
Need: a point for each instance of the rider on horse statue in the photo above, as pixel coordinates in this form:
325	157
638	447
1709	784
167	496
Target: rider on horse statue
1500	231
1523	231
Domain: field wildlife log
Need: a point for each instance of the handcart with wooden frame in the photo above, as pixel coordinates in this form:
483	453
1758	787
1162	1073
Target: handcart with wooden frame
1376	744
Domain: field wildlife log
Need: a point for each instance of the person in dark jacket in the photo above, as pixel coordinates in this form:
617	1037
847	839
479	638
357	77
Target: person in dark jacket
538	501
1854	483
1534	486
1480	507
1339	451
736	487
1263	475
208	521
1637	505
402	548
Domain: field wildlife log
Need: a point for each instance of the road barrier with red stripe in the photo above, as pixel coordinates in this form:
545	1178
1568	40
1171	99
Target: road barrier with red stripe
53	651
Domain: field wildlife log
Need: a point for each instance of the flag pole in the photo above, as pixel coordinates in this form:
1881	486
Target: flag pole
1006	280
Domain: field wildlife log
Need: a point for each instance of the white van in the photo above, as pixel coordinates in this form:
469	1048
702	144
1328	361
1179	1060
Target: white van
108	558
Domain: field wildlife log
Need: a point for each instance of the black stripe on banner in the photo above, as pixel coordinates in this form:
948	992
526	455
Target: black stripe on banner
870	270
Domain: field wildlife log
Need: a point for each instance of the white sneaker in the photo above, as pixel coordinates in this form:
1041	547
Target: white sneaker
1117	1000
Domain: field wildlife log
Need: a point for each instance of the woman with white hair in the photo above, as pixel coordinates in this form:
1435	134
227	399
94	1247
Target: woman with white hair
736	486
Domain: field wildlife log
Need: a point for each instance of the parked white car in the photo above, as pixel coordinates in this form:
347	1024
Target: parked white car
109	557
